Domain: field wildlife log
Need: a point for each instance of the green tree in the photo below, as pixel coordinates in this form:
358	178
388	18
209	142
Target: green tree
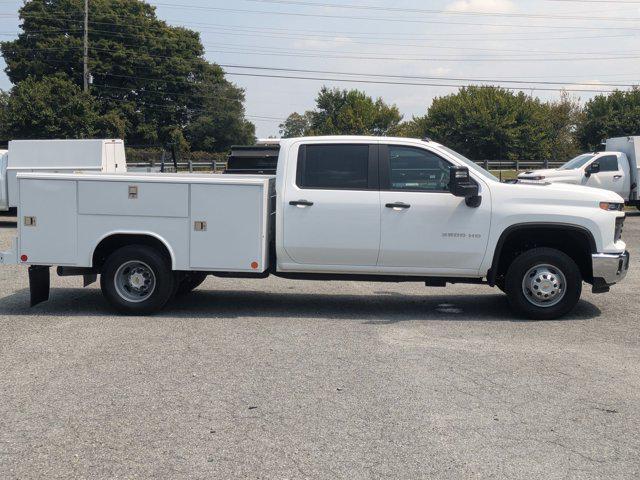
53	107
344	112
564	115
297	125
606	116
149	77
486	122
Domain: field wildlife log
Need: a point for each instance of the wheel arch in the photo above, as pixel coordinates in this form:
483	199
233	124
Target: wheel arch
112	241
553	235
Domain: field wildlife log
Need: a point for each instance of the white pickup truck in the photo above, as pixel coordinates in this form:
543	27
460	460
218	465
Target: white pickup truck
615	169
55	156
339	208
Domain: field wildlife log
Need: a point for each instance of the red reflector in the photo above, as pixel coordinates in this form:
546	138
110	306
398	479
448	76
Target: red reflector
24	258
254	265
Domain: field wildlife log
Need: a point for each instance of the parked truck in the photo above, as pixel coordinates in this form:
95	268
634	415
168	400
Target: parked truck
615	168
338	208
59	156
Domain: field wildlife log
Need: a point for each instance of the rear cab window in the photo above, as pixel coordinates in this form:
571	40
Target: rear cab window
337	167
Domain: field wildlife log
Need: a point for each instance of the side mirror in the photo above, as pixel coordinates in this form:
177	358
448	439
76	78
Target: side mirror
461	185
591	169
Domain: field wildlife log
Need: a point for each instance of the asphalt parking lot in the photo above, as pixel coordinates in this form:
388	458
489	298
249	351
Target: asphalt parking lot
278	379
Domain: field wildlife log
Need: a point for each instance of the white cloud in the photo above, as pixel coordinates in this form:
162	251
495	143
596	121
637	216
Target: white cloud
440	71
323	43
491	6
587	85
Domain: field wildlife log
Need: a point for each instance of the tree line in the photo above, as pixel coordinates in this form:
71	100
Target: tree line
151	83
482	122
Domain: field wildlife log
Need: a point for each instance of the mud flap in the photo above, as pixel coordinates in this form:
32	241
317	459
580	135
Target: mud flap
88	279
39	284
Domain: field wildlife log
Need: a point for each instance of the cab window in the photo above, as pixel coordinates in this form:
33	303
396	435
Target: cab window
415	169
608	163
336	167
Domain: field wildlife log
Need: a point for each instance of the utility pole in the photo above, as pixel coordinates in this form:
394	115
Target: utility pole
86	46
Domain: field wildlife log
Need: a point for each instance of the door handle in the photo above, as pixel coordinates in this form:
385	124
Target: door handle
398	206
301	203
617	177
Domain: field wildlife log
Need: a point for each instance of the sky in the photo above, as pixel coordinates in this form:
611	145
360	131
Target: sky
439	44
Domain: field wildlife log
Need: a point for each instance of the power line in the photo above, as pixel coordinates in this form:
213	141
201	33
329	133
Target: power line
197	110
324	79
439	12
400	20
242	50
417	77
526	83
108	33
198	24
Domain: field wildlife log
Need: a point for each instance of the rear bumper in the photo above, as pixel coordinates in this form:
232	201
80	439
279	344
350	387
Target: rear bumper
609	269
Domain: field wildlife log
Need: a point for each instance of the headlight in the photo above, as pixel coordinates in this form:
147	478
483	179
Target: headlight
535	179
612	207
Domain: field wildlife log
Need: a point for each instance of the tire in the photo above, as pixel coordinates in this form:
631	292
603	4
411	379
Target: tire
189	282
137	280
543	284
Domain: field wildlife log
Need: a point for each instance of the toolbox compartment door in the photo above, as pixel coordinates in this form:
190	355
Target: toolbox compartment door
227	227
51	238
138	199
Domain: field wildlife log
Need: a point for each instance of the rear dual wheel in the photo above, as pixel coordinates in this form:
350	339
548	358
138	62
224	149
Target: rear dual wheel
137	280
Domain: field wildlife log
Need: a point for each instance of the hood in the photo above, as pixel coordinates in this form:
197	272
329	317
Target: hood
538	173
566	192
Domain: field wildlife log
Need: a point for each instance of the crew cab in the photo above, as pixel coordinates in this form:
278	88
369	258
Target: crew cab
615	169
338	208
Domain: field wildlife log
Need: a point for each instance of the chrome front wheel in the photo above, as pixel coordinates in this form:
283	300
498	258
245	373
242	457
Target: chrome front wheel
544	285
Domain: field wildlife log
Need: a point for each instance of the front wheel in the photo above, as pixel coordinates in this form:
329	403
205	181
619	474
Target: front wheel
137	280
543	284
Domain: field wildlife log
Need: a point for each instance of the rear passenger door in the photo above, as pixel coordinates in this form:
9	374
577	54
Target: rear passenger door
332	207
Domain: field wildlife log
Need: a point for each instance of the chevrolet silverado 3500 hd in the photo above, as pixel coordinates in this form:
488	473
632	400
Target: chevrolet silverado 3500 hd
339	208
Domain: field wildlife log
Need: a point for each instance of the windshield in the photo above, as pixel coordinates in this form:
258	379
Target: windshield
470	163
577	162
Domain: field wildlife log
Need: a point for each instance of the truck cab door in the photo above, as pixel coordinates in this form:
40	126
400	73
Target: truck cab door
331	208
610	175
425	228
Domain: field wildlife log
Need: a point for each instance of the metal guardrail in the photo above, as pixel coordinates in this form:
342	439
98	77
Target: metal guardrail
168	167
518	164
217	167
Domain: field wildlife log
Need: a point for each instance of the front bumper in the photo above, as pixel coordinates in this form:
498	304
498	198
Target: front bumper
609	269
